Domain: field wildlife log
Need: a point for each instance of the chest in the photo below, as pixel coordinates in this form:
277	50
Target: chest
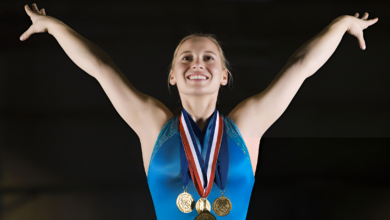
252	145
167	158
165	181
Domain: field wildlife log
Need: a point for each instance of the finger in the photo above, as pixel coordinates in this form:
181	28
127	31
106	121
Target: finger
365	16
357	15
42	11
28	10
26	34
362	42
36	8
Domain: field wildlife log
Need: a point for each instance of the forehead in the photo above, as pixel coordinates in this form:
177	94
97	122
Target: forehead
198	44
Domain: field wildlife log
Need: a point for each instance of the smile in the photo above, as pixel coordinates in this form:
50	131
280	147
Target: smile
198	78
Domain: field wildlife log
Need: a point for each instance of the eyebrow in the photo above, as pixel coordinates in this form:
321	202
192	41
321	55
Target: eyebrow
205	52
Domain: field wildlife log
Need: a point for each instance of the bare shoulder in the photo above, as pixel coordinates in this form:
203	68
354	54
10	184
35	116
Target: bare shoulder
153	120
257	113
143	113
241	115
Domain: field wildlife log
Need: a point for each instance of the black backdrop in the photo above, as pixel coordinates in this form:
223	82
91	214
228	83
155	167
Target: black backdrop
67	154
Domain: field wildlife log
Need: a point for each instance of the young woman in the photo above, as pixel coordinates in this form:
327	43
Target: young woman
199	159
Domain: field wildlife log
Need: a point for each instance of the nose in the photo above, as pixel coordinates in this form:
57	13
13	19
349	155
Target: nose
197	64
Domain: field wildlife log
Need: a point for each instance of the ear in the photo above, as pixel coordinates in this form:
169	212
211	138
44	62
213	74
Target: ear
224	78
172	79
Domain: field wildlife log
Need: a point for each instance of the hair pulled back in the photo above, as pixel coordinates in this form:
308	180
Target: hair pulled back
225	63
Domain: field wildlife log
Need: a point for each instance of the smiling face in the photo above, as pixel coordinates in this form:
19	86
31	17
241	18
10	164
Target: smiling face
198	56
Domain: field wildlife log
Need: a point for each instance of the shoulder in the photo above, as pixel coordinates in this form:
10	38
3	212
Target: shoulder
231	129
170	128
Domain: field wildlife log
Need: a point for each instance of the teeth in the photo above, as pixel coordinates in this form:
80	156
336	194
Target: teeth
197	77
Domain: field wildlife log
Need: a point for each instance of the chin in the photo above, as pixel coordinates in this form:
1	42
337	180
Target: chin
199	92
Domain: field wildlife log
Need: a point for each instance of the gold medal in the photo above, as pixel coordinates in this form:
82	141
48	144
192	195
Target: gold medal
185	202
203	204
222	206
205	215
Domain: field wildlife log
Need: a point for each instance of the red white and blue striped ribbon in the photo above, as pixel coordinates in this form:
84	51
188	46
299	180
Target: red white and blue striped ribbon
202	169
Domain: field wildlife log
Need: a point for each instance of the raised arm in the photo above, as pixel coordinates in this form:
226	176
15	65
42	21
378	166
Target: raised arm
314	53
141	112
85	54
256	114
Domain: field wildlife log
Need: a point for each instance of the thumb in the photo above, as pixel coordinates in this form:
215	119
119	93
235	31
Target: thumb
27	33
362	42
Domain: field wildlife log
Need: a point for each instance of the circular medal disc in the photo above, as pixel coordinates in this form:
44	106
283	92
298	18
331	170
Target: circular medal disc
222	206
200	205
185	202
205	215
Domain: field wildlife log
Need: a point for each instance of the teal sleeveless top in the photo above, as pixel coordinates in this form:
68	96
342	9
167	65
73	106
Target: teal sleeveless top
165	181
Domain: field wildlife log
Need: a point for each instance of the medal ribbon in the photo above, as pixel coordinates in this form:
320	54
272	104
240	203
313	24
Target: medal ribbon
203	169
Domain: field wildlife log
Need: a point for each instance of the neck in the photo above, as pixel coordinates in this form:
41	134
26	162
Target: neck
199	107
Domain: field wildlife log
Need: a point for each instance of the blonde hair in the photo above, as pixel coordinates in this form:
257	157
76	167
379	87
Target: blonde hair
225	63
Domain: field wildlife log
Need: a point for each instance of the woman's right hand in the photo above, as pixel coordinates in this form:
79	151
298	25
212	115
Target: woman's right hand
39	19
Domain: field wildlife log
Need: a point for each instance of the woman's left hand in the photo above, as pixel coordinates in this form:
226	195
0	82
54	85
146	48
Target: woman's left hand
357	25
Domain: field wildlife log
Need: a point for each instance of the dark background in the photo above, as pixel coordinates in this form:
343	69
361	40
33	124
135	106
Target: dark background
67	154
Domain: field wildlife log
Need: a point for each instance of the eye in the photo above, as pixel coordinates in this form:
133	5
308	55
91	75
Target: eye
184	58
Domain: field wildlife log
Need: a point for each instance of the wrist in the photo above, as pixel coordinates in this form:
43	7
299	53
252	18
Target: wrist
343	20
52	24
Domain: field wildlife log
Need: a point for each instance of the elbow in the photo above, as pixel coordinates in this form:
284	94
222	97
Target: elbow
295	60
297	66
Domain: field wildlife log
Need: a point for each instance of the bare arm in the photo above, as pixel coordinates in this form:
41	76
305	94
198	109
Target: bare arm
315	52
141	112
144	114
84	53
256	114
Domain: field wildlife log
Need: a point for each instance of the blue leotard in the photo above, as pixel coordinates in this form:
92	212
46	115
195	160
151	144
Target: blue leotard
165	181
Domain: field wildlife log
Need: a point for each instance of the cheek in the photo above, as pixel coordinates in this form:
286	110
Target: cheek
215	70
181	70
215	67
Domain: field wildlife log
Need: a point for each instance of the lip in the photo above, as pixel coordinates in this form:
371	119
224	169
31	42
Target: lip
197	74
